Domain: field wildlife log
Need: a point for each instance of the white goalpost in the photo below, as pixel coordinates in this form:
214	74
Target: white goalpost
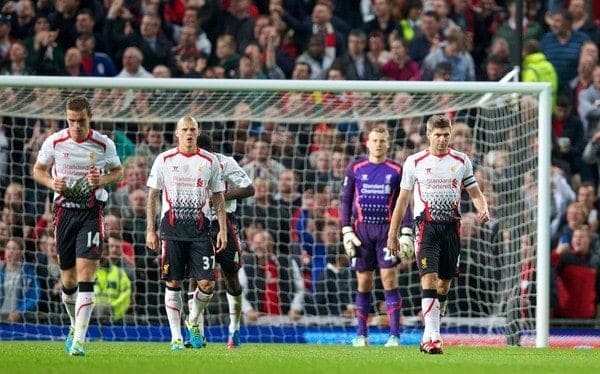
502	295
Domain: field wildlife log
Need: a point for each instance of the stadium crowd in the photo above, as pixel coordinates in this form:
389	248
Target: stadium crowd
298	169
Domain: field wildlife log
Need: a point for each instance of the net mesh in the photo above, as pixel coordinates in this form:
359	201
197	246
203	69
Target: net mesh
493	298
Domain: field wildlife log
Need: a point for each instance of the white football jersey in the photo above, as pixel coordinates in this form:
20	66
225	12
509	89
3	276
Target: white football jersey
437	183
73	160
234	177
186	181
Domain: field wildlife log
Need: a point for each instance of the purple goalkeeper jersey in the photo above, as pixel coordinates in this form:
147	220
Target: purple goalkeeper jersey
370	192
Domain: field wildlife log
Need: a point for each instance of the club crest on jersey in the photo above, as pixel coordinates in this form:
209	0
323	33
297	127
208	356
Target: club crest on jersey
424	263
388	178
92	156
165	269
453	169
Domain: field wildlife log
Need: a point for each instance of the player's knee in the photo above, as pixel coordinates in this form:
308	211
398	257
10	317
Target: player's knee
206	286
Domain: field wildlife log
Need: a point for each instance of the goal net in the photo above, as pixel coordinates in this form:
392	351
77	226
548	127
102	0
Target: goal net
312	128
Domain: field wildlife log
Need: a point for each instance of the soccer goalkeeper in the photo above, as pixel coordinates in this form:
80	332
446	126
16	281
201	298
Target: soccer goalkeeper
370	189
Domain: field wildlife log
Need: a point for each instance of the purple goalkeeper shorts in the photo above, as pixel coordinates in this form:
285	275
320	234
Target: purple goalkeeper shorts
373	252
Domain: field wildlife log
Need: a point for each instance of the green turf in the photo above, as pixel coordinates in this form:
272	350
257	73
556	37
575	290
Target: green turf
105	357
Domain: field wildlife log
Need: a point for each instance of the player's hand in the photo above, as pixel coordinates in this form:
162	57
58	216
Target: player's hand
59	184
407	244
484	216
93	177
350	240
294	315
393	245
152	241
221	243
251	315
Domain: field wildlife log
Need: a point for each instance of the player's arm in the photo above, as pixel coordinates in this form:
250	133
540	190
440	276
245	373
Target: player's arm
114	175
218	202
151	204
41	174
480	203
239	193
397	217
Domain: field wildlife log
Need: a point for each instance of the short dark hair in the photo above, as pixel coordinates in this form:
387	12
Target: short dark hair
79	103
204	141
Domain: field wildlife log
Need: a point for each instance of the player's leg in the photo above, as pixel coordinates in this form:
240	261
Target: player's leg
230	262
174	257
428	257
65	248
388	266
88	250
364	263
234	301
393	302
201	268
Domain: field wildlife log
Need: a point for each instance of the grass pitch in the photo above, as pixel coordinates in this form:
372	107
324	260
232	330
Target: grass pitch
116	357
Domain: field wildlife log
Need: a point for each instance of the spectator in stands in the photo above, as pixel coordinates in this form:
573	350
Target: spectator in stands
507	31
94	64
377	48
269	40
62	19
451	51
192	18
22	14
284	295
315	57
568	135
562	196
400	67
227	56
112	290
577	265
562	47
48	273
536	67
237	22
19	287
4	37
153	144
583	21
16	63
263	166
584	78
73	64
586	194
333	295
287	195
186	44
18	212
132	64
589	104
575	217
320	22
356	63
85	24
320	168
267	214
264	64
495	68
383	20
591	153
135	170
43	53
500	47
488	19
